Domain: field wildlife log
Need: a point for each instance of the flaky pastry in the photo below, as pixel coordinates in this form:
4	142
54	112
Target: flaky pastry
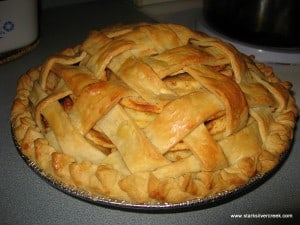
153	113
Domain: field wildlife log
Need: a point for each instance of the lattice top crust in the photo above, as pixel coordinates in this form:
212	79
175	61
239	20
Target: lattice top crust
153	113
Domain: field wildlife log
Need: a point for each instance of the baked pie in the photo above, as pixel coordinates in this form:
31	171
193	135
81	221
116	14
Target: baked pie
153	113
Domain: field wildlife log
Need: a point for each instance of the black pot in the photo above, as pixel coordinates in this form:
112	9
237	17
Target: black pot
271	23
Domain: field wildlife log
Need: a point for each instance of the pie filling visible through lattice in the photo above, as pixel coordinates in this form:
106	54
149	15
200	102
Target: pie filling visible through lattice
153	113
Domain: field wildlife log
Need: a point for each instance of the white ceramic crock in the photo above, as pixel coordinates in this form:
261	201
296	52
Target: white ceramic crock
18	24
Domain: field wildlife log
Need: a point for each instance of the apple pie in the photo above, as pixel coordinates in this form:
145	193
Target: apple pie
152	113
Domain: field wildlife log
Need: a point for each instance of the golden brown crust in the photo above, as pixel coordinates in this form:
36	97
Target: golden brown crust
153	113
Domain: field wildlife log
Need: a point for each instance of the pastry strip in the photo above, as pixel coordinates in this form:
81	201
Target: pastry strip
250	144
187	165
94	42
236	58
95	101
173	60
206	149
180	117
228	91
137	151
76	77
60	59
141	78
99	61
73	144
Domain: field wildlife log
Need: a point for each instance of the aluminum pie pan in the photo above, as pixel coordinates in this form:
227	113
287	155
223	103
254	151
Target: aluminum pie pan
195	204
